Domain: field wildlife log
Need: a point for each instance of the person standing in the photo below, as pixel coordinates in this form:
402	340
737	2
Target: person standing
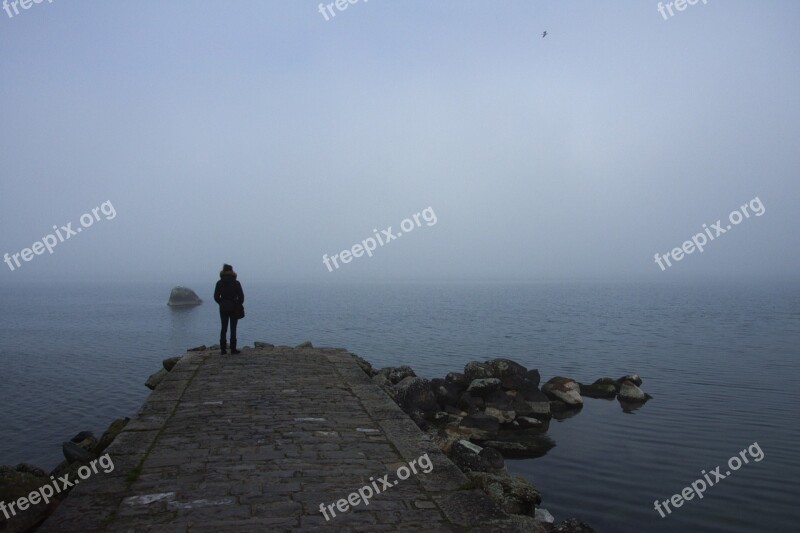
229	295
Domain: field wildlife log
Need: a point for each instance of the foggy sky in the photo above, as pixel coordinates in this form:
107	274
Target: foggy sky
257	133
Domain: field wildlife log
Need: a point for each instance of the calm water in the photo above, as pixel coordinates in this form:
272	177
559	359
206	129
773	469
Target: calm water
721	362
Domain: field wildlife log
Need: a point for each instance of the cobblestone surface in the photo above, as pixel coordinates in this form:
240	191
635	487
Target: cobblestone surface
257	441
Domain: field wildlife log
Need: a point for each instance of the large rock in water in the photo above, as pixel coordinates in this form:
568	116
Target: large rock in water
183	296
629	392
565	390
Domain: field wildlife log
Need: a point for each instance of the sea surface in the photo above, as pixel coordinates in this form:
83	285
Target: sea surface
721	362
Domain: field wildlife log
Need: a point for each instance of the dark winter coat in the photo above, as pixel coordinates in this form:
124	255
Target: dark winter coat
228	292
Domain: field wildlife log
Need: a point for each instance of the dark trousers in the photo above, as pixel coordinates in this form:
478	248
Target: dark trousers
226	316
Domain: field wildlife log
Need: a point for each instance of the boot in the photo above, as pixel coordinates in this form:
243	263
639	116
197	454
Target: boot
222	345
233	347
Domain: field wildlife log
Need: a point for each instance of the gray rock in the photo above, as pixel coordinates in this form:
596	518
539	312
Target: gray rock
381	378
633	378
304	345
74	453
79	448
34	470
528	390
601	388
416	394
521	407
470	446
470	457
564	390
398	374
534	377
443	418
628	392
519	444
492	459
526	422
514	495
458	379
483	386
479	425
200	348
465	456
155	379
170	363
504	417
543	515
500	399
364	365
510	374
110	434
446	392
469	403
475	370
539	404
263	345
181	296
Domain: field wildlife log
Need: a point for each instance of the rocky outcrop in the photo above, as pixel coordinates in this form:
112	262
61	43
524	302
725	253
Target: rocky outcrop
493	401
495	410
183	296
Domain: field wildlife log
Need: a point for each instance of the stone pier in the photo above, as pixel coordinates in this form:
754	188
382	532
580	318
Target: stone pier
257	441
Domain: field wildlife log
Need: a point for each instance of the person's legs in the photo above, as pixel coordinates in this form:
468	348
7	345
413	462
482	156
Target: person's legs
223	316
234	322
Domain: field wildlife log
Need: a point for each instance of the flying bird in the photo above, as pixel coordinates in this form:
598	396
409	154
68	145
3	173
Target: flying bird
544	35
